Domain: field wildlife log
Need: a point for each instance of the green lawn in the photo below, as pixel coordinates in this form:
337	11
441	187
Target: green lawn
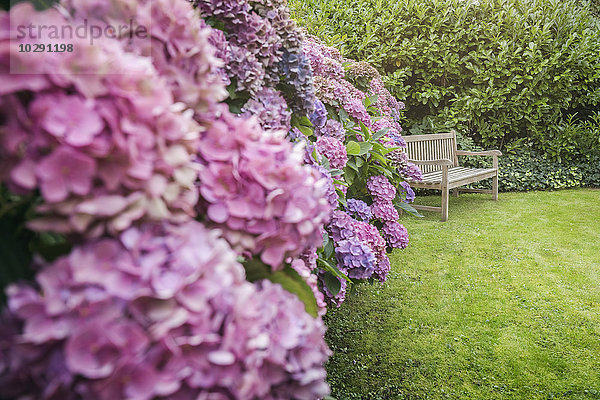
500	302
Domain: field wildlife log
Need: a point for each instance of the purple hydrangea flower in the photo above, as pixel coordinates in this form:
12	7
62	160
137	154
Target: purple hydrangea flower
340	226
189	326
271	110
319	116
334	150
408	193
412	172
297	74
395	234
380	188
370	235
332	128
356	258
359	208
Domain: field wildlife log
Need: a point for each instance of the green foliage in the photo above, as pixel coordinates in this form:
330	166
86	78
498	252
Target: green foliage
523	169
499	69
18	244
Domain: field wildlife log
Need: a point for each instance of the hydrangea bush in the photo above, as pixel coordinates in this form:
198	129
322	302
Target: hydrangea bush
159	174
355	134
149	303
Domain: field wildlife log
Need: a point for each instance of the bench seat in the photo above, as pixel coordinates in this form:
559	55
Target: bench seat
457	176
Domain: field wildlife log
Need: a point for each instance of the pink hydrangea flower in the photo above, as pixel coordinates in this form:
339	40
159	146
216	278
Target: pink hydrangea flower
114	150
380	188
395	234
384	210
334	150
174	37
206	330
254	186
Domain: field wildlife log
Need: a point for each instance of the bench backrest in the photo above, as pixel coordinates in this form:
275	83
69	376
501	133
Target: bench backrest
432	147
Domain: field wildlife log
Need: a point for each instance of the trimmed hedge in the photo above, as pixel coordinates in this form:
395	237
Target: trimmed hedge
498	70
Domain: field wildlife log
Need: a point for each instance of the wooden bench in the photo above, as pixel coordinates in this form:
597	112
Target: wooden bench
437	156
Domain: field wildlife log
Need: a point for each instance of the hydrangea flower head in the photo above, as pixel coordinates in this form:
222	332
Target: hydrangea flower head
408	193
177	42
332	128
113	150
334	150
254	186
380	188
270	109
384	210
356	258
340	226
395	234
412	172
319	116
359	208
162	312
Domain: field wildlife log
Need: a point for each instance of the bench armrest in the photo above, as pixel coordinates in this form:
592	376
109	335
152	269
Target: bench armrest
443	161
478	153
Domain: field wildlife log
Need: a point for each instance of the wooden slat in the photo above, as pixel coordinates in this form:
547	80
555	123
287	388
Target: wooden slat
421	138
467	190
427	208
457	173
471	179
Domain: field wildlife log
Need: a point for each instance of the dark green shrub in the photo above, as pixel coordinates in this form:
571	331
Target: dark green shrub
499	69
525	170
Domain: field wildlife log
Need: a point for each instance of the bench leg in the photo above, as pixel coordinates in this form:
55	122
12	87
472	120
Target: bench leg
495	180
495	187
445	193
455	192
445	196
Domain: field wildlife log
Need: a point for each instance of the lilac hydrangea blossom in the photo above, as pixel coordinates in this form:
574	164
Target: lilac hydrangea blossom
380	188
340	226
270	109
370	235
264	49
254	186
356	258
322	61
395	234
334	150
166	312
318	117
412	172
359	209
408	193
332	128
297	74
